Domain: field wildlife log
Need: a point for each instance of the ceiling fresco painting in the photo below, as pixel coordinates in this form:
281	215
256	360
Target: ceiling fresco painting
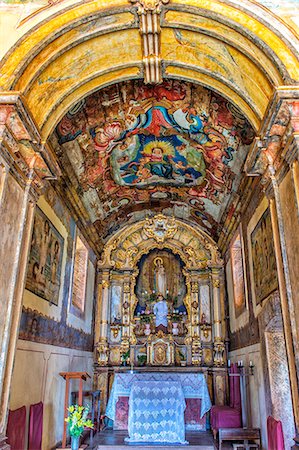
168	146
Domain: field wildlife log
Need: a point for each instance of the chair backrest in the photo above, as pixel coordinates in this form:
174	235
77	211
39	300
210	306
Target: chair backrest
234	388
275	434
35	426
237	390
16	426
231	386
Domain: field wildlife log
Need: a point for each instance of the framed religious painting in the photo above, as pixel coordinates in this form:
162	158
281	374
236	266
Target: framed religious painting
264	269
45	259
238	273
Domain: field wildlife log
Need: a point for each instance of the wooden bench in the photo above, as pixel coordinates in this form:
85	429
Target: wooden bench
240	434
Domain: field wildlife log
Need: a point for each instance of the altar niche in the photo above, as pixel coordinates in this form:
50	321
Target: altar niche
161	294
160	315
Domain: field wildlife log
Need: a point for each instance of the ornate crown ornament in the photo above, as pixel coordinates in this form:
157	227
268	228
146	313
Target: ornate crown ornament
160	227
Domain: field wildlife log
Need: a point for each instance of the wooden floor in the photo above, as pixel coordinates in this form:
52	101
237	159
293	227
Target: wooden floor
114	440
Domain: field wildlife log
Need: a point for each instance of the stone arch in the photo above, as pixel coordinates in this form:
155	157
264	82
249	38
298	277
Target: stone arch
68	40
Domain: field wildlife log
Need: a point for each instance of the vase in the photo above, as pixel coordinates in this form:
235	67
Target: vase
175	330
75	441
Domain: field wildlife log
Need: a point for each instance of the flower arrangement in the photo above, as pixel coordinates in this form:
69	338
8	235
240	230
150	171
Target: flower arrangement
141	360
176	317
77	420
124	357
146	318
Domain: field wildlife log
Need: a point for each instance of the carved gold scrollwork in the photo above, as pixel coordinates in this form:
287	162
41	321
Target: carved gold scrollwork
196	351
105	284
102	352
216	283
149	5
131	252
106	260
194	287
127	288
219	349
160	227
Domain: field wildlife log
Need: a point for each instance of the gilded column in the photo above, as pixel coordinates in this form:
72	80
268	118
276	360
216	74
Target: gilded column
102	344
125	341
196	350
219	346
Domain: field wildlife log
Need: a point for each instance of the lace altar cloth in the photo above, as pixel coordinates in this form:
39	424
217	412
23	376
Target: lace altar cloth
194	385
156	413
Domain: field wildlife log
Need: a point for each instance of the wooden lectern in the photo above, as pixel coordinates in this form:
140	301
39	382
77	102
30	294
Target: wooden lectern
81	376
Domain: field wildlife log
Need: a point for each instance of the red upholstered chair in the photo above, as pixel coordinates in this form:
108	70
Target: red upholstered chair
275	434
35	426
228	416
16	428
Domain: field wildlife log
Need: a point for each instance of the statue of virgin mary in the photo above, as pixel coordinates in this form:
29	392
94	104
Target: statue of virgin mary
160	276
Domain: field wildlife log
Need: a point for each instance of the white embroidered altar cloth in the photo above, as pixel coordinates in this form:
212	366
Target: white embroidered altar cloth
194	385
156	413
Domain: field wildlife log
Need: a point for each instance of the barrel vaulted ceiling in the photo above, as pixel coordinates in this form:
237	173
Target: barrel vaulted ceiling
151	116
132	148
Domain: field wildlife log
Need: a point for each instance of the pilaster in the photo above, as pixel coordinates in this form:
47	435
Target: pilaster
273	155
25	164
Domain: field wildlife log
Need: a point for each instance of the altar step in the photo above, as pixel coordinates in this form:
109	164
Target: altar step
155	447
114	440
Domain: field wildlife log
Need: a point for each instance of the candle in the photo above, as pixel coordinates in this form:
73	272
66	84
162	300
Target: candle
250	363
228	363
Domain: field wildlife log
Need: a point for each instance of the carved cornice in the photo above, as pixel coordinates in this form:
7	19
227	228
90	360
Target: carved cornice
278	139
29	159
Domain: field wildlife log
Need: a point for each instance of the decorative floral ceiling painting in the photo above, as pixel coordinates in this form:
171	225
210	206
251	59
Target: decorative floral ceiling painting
135	147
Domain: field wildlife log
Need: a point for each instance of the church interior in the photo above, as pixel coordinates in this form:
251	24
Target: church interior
149	227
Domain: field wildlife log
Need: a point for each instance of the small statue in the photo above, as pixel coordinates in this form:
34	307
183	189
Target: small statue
160	276
161	311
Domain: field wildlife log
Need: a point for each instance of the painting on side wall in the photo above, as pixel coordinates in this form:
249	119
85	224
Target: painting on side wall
236	252
45	259
263	258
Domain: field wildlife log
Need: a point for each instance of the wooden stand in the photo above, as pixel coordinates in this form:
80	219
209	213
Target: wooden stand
81	376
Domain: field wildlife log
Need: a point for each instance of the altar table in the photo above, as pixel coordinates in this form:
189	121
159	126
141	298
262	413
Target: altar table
194	388
156	413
